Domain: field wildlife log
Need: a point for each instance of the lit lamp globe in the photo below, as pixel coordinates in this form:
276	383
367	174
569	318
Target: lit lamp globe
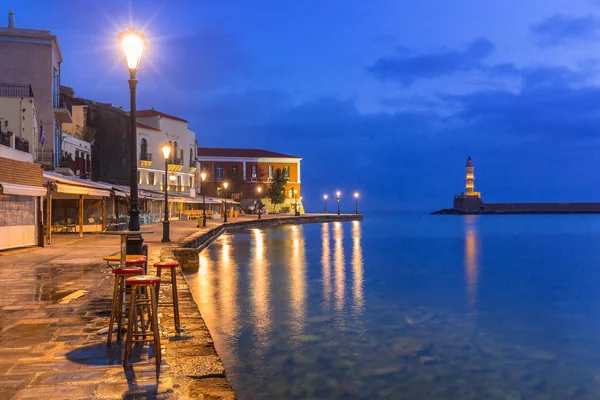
133	43
172	178
166	150
225	184
203	176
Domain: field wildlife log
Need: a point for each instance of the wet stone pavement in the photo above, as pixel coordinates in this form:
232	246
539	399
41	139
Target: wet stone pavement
53	303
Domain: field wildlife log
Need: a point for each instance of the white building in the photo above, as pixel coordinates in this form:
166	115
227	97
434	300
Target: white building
19	116
154	130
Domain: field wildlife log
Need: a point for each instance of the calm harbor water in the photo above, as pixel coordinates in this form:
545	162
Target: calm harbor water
408	306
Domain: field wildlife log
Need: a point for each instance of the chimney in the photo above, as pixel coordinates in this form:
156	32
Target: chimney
11	19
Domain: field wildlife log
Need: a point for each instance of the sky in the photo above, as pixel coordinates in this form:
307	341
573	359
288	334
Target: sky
384	97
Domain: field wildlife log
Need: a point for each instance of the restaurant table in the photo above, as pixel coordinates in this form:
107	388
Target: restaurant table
124	235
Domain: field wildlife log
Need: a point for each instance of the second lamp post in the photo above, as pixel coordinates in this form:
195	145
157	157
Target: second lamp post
166	150
225	184
202	190
338	194
259	189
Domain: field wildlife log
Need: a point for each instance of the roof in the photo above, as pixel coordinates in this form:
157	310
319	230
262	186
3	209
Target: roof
154	113
140	125
239	153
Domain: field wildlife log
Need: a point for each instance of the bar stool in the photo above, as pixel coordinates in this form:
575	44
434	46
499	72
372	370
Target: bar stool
142	286
118	301
172	266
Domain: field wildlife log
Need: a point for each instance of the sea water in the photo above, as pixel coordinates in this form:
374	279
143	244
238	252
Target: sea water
408	306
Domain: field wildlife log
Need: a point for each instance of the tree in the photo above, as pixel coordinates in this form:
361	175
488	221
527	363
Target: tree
276	192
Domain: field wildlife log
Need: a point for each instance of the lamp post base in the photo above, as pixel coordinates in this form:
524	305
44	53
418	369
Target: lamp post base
134	245
166	228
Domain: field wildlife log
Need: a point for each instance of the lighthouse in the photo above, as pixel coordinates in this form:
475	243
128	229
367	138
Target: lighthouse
470	179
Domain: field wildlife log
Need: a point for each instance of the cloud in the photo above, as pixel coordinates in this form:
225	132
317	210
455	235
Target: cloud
407	69
561	29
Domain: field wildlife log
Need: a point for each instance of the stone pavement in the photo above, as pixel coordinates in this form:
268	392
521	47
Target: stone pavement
54	300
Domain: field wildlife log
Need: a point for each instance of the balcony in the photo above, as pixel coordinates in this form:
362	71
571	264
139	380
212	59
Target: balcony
14	147
179	188
193	165
175	164
145	160
44	157
62	110
15	90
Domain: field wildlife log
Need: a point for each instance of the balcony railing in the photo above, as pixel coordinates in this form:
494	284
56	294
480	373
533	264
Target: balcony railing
193	163
146	157
15	90
21	144
44	157
10	140
5	138
176	161
179	188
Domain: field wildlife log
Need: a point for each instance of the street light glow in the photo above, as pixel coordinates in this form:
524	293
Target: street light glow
203	176
325	196
225	184
259	189
133	43
172	178
166	150
338	193
356	194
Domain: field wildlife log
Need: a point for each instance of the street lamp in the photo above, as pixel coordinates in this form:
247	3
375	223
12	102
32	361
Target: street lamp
325	201
203	178
356	197
225	184
259	189
338	194
166	150
133	43
296	213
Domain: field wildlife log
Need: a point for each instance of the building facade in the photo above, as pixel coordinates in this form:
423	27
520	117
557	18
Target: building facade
18	117
33	57
154	130
248	169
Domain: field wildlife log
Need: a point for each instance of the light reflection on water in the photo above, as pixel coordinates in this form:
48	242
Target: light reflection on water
468	309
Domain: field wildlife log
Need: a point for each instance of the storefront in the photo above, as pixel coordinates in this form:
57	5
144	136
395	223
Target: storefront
19	209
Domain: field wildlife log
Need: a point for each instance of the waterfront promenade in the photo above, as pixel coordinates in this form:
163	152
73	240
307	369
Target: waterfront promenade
53	302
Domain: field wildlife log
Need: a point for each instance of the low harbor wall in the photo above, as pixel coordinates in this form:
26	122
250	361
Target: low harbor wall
187	253
525	208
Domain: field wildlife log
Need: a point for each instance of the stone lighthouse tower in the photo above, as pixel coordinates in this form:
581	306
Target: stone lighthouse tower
470	179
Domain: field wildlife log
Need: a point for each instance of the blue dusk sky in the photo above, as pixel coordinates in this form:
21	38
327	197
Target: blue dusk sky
384	97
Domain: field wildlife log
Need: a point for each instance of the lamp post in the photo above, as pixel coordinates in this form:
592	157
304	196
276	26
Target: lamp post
259	189
325	201
203	178
225	184
338	194
133	43
166	150
296	213
356	197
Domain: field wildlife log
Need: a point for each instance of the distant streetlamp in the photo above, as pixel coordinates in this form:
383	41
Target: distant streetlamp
325	201
133	43
202	190
356	197
259	189
225	184
166	150
338	194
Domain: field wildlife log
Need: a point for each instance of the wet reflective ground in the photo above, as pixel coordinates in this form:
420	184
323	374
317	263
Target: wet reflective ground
408	307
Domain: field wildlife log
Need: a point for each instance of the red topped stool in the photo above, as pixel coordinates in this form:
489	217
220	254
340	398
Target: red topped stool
143	295
170	265
118	301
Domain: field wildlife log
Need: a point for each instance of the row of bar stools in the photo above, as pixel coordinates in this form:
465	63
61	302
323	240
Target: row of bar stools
172	266
143	295
132	268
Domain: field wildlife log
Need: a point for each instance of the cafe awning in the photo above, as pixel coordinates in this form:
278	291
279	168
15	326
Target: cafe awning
21	190
85	190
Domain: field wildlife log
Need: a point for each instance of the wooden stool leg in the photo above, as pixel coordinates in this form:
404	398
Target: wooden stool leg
120	305
113	310
175	298
158	273
155	328
131	322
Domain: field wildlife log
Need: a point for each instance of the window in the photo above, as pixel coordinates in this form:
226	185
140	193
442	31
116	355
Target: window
250	192
291	193
286	171
270	172
174	152
181	156
171	155
76	154
254	171
219	192
179	184
219	172
234	169
55	88
144	150
151	178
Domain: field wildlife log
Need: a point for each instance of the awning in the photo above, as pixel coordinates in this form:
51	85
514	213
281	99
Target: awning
22	190
85	190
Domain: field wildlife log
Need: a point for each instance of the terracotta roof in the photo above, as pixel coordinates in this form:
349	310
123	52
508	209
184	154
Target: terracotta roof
238	153
154	113
140	125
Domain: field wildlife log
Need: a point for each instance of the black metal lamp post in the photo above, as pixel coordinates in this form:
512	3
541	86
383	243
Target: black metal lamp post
166	150
356	197
338	194
203	178
325	201
296	212
225	184
133	43
259	189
